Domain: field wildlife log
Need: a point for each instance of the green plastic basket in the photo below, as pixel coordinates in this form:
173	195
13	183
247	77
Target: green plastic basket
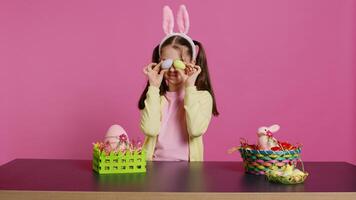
116	163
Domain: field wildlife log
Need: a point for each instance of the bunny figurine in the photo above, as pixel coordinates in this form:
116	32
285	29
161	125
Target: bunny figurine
117	138
265	137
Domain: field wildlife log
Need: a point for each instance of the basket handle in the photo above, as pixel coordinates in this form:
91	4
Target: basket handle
301	162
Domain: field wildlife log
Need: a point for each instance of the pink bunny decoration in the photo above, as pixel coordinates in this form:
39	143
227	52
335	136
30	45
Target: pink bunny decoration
183	26
265	137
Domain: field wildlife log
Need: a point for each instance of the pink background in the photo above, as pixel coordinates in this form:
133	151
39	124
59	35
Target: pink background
68	70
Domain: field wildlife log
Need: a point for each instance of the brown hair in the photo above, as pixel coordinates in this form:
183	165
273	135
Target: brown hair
203	79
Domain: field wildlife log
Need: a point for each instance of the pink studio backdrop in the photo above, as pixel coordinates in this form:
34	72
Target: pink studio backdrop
69	70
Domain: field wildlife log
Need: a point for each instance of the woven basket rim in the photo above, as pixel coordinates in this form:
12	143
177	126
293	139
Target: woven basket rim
269	151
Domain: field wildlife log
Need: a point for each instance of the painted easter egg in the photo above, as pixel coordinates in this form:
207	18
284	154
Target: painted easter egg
178	64
114	136
166	64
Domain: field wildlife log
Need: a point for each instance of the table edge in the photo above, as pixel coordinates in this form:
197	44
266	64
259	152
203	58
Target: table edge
93	195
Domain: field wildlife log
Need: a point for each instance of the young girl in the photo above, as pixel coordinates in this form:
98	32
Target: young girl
177	104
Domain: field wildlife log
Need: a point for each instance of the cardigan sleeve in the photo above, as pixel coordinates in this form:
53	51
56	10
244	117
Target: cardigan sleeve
151	114
198	106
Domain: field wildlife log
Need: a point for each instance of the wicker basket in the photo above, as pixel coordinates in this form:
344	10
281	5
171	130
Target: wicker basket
258	162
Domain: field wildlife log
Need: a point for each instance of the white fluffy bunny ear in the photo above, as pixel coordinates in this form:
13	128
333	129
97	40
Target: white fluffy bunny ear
168	20
274	128
183	19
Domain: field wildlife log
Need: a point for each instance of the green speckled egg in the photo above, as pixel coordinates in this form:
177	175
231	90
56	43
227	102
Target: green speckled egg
178	64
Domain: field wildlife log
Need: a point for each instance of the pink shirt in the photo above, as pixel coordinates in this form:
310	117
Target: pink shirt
172	141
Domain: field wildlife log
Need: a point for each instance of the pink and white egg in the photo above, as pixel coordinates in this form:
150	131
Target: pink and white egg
117	138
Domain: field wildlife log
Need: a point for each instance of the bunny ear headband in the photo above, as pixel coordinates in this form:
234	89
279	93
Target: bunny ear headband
183	26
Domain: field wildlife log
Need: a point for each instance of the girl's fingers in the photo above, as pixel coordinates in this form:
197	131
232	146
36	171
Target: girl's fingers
145	70
149	67
191	67
191	72
189	64
198	68
163	71
157	67
188	70
181	72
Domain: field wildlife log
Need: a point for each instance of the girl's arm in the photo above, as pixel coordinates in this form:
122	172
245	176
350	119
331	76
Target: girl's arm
198	106
151	114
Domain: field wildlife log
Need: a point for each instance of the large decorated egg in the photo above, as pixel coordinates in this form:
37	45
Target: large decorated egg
166	64
178	64
116	136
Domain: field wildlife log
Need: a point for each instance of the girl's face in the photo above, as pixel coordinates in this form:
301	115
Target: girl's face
172	76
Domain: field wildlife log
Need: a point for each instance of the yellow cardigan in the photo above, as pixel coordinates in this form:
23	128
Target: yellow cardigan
198	107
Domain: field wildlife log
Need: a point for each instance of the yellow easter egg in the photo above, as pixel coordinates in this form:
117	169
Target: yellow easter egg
289	169
178	64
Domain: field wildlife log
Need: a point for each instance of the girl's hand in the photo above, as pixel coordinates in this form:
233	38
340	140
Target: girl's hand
154	74
190	74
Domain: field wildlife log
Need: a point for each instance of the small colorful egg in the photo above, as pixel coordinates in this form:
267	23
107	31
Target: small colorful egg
289	168
166	64
274	172
179	64
297	172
